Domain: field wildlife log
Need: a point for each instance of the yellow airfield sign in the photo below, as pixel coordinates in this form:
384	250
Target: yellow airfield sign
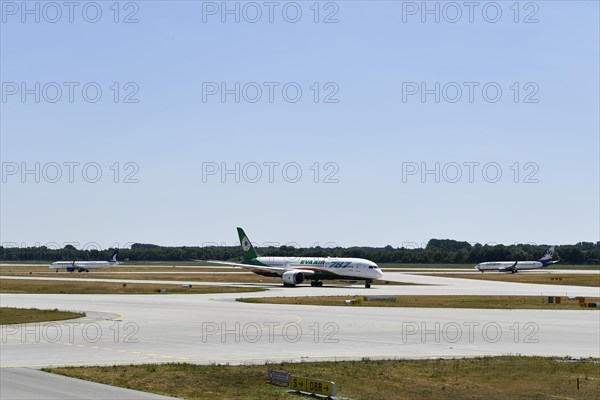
312	385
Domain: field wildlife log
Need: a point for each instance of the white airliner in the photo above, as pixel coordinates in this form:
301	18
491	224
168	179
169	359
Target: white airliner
295	270
515	266
85	266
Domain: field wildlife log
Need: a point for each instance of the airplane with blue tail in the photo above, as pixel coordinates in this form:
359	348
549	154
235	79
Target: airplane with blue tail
516	266
85	266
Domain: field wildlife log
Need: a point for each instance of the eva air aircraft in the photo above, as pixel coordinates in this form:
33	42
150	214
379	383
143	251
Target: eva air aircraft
295	270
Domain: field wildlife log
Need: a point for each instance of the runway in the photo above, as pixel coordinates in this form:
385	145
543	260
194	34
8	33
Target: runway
214	328
193	328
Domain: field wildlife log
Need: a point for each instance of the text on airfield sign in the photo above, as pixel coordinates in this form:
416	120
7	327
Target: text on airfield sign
312	385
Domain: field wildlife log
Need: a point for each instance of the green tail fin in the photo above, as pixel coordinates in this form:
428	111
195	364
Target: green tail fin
247	248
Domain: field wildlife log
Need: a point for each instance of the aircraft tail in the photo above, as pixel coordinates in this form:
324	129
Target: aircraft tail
549	254
113	258
247	248
547	259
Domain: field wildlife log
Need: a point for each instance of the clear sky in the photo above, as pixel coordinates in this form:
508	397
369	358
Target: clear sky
360	102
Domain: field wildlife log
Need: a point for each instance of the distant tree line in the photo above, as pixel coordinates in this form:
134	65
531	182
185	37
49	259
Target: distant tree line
439	251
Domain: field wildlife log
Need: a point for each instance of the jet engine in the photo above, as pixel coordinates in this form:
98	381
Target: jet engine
292	278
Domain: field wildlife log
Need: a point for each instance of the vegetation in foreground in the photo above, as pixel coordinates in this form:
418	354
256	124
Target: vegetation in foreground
490	378
66	287
9	315
535	277
498	302
19	268
108	274
429	267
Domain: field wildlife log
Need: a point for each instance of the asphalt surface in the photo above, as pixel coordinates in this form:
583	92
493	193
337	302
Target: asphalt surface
31	384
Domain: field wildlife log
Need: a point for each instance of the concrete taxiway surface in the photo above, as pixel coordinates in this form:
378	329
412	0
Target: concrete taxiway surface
216	328
31	384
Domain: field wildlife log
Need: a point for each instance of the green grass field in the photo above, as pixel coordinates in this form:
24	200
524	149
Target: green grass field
65	287
35	269
537	277
498	302
27	315
558	266
492	378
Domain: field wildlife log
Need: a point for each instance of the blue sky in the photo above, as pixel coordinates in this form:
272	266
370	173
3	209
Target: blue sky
367	61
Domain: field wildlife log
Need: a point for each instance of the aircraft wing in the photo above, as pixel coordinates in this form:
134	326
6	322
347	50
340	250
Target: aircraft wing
257	268
234	264
81	265
512	268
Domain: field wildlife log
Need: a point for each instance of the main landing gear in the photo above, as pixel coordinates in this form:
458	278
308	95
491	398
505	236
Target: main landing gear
316	283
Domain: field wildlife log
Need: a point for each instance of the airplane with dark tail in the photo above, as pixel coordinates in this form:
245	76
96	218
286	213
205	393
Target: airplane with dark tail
516	266
85	266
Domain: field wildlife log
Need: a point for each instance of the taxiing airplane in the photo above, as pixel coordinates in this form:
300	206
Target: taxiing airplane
85	266
295	270
515	266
